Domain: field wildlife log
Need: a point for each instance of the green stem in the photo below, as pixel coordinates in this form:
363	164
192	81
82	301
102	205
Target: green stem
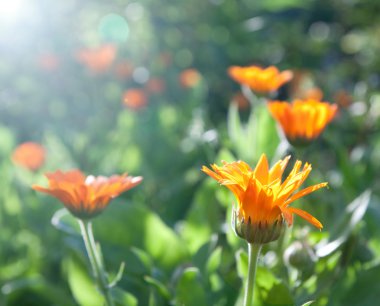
253	255
95	260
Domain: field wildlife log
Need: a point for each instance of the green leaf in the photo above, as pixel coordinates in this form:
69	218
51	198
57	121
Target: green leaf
272	291
65	222
234	125
364	291
123	298
34	290
278	295
262	134
308	303
136	225
189	290
242	263
201	257
257	136
279	5
214	261
203	218
7	142
269	290
144	258
82	286
118	276
161	288
352	216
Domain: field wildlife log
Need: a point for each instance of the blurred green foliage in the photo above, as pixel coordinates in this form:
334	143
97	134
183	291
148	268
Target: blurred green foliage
173	231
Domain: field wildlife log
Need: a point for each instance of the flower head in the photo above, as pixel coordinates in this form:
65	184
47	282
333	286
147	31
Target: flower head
97	60
135	99
190	78
259	79
263	198
86	197
29	155
302	120
49	62
155	85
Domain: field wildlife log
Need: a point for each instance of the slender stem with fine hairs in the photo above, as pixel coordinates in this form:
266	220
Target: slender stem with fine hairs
95	260
253	255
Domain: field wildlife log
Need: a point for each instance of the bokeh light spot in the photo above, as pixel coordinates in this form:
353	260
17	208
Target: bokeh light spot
353	42
141	75
114	28
319	31
134	11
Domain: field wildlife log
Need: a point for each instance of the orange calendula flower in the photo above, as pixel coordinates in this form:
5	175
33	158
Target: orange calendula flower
189	78
259	79
135	99
97	60
86	197
303	120
29	155
263	198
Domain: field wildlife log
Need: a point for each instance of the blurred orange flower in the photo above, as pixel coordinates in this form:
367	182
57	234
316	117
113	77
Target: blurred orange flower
97	60
302	120
49	62
165	59
29	155
123	69
155	85
86	197
263	197
135	98
189	78
259	79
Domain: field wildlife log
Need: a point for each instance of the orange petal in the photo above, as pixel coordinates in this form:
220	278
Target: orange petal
262	169
303	214
304	192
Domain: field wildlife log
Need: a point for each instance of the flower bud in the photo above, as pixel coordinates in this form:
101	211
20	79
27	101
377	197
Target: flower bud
301	256
258	233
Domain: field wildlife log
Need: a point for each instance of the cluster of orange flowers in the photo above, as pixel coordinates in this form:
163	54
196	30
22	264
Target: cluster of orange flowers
303	120
137	98
263	196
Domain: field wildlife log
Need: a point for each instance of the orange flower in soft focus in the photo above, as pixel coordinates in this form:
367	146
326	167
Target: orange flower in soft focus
97	60
165	59
263	197
303	120
49	62
135	98
123	69
190	78
155	85
259	79
29	155
86	197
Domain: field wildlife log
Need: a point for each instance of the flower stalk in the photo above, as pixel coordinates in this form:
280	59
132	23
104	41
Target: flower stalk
253	256
95	260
